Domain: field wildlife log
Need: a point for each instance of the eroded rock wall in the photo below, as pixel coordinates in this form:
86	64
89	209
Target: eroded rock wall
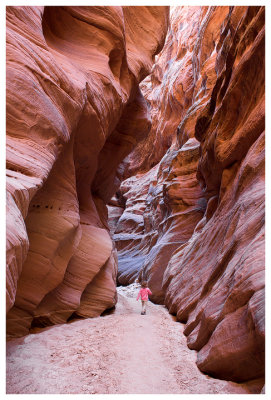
74	111
202	216
226	309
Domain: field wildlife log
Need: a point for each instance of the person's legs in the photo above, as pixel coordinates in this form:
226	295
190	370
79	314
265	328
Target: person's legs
144	303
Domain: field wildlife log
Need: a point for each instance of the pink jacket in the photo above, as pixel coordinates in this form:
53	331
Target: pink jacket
144	294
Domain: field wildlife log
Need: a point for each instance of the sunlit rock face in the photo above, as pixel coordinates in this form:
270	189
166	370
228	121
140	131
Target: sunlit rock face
193	201
74	112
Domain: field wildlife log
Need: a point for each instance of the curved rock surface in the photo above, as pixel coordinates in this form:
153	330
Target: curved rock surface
198	232
73	101
187	143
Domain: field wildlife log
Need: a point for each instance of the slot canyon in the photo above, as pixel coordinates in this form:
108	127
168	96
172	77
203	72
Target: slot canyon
135	152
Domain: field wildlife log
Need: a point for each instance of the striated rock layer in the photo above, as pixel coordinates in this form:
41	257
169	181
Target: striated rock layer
193	201
74	112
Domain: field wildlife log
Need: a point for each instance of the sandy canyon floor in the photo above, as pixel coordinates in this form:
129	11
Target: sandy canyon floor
121	352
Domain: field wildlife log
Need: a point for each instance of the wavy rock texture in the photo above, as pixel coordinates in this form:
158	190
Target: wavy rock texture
189	214
130	234
162	208
74	111
199	230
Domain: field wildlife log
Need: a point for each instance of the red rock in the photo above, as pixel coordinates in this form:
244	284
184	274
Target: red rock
72	101
226	252
189	213
208	269
99	293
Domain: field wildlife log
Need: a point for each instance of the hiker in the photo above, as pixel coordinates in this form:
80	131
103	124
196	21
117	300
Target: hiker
143	293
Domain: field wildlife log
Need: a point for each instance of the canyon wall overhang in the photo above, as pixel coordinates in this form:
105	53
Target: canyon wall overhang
74	111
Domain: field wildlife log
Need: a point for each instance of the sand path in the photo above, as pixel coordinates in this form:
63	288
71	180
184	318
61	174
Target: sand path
122	352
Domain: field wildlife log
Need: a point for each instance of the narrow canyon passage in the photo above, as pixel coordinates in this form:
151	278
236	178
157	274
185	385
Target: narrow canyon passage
122	352
135	152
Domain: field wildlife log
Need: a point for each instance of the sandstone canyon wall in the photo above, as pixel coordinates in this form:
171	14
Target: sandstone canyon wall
74	112
187	143
189	215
